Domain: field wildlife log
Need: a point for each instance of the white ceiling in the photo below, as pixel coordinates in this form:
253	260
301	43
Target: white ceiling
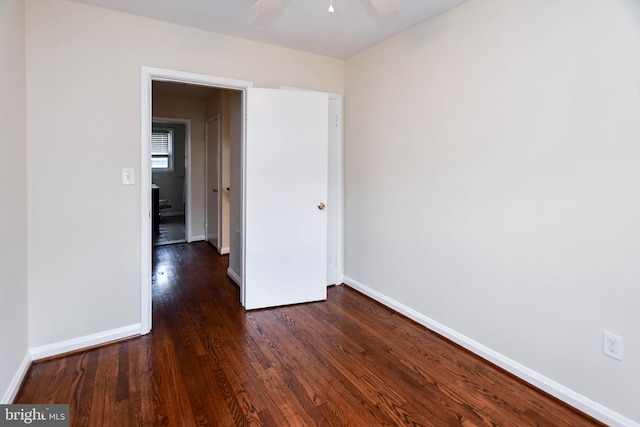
299	24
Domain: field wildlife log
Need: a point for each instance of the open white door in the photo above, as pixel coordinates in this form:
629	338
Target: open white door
285	194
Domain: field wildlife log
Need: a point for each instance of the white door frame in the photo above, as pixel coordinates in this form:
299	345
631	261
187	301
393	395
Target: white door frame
337	184
148	75
187	146
206	178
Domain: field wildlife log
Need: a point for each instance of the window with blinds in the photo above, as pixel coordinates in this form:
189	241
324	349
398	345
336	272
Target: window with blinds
161	149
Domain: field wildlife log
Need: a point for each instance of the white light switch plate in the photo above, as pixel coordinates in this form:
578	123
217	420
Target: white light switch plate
127	176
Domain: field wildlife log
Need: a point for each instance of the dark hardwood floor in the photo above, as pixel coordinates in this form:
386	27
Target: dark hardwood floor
344	362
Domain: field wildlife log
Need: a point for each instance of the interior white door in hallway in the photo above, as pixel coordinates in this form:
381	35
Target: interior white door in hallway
212	156
286	178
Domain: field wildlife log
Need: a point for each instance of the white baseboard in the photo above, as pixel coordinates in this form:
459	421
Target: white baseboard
223	250
84	342
555	389
14	387
234	276
197	238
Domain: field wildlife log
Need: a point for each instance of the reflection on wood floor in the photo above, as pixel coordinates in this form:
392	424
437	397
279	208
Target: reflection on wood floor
344	362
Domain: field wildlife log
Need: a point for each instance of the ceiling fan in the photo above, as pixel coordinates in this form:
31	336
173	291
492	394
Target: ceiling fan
383	7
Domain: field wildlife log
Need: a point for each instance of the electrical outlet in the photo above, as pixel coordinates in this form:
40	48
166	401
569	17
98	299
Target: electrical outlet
613	345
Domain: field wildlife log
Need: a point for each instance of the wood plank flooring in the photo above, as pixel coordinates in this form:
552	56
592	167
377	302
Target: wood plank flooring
344	362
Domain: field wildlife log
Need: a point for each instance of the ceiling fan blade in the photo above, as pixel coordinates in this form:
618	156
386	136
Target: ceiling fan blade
266	6
385	7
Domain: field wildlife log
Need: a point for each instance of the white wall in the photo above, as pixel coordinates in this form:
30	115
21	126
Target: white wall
492	182
13	199
83	113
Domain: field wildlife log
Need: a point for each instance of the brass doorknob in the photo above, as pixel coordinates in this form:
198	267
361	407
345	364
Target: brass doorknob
321	206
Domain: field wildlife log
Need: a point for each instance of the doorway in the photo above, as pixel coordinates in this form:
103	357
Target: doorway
195	220
238	124
208	171
169	140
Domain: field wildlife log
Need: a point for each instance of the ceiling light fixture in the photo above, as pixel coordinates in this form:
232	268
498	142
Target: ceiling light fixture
382	7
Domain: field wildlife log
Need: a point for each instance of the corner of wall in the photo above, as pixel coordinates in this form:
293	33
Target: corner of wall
16	382
530	376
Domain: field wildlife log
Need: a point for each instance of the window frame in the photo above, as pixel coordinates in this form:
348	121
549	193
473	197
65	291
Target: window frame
170	155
